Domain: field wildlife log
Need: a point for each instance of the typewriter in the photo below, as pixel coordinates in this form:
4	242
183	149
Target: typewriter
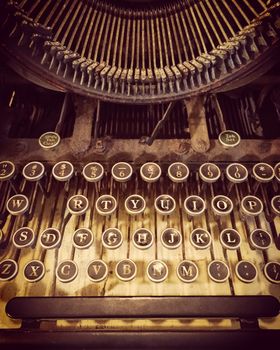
139	174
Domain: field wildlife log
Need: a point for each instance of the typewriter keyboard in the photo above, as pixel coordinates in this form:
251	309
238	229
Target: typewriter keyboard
126	230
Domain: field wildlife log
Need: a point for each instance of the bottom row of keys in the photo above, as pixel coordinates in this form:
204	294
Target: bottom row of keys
126	270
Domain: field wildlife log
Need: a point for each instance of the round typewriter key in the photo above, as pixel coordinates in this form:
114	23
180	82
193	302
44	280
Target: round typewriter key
178	172
50	238
33	171
221	205
271	271
218	271
23	237
8	269
106	205
229	138
277	171
236	173
7	170
263	172
246	271
275	204
49	140
200	238
77	204
260	239
209	172
135	204
17	204
97	270
194	205
165	204
122	172
82	238
93	172
126	270
63	171
66	271
230	239
171	238
150	172
157	271
251	205
34	271
187	271
142	238
112	238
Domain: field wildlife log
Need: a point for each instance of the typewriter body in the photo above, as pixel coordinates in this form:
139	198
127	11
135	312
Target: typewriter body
139	174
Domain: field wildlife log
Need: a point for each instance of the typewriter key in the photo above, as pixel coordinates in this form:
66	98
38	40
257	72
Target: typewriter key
275	204
93	172
194	205
142	238
97	270
112	238
66	271
106	205
7	170
171	238
251	205
23	237
126	270
17	204
49	140
236	173
8	269
135	204
33	171
157	271
218	271
63	171
165	204
277	171
178	172
263	172
77	204
122	172
230	239
229	138
82	238
260	239
271	271
34	271
221	205
246	271
150	172
187	271
50	238
209	172
200	238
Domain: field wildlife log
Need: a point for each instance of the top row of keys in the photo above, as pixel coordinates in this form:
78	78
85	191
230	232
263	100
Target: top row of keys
150	172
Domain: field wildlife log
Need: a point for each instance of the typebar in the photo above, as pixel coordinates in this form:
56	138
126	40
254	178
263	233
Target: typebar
142	307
